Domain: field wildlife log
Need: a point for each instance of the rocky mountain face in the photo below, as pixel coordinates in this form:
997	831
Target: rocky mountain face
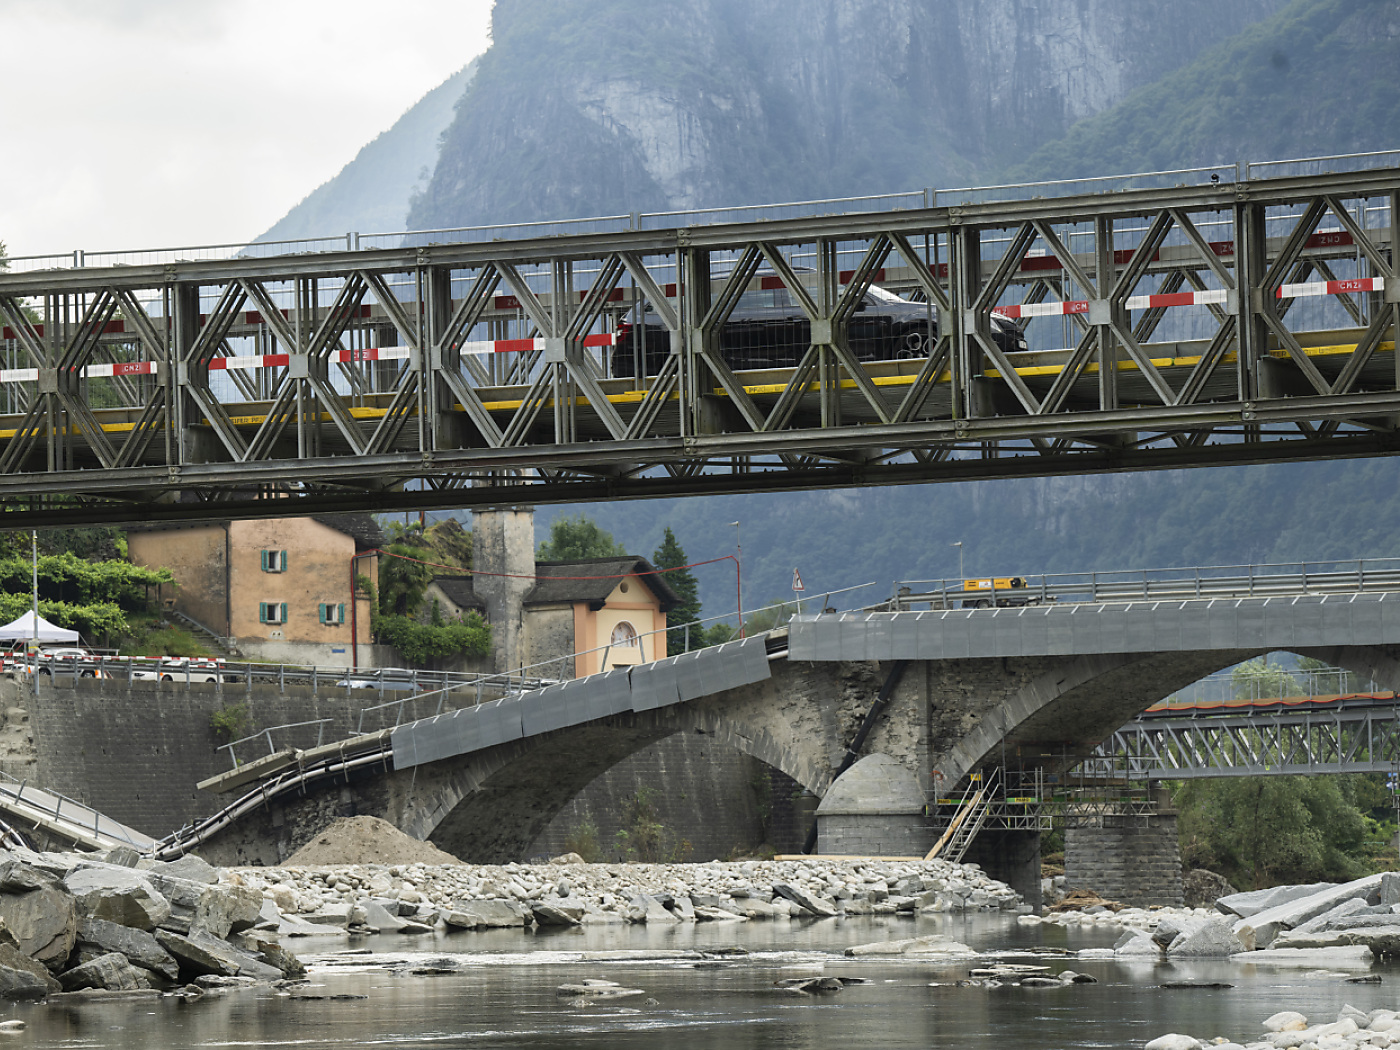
619	106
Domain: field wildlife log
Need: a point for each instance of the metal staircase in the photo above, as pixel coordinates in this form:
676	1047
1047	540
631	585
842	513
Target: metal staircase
975	805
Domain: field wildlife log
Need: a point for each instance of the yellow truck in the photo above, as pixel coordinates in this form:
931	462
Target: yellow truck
1005	592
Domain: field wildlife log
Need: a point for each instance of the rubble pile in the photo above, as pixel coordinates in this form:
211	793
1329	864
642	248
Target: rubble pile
409	898
115	922
1352	1028
1320	924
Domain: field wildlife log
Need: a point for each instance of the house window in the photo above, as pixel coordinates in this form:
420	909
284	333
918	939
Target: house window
274	561
272	612
624	635
332	615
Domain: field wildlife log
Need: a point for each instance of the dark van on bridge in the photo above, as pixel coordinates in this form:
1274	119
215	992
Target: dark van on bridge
769	330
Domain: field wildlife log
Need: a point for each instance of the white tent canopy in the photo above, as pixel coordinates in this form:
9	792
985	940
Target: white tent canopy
23	630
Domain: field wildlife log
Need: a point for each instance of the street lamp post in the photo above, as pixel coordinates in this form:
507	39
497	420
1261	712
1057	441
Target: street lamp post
959	545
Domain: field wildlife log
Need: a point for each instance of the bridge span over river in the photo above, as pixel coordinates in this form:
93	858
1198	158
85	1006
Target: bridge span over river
941	693
1234	314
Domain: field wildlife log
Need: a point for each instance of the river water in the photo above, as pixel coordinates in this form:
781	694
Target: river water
505	995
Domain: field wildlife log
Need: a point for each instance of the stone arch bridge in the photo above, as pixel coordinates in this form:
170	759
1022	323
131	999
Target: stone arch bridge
946	691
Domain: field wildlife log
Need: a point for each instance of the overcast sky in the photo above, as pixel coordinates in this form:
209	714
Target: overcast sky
151	123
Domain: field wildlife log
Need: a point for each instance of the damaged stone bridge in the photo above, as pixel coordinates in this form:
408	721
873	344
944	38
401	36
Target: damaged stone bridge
938	693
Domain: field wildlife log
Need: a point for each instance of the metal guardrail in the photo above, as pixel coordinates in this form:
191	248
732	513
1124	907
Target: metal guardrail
223	672
920	198
67	817
1171	584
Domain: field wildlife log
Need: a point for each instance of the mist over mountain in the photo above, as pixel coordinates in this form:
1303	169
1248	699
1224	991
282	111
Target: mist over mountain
371	194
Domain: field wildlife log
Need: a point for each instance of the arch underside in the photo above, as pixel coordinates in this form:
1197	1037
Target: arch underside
1067	712
490	806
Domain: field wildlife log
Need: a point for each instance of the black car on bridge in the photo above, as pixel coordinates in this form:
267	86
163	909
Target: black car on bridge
768	329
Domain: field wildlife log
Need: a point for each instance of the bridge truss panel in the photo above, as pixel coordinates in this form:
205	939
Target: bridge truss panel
1350	740
1164	327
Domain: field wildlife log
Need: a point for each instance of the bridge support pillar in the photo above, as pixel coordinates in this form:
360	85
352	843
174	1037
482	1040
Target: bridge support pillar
1012	857
1127	860
874	809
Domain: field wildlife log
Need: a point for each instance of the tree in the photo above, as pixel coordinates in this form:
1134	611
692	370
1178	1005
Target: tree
572	538
1258	679
670	555
1265	830
403	579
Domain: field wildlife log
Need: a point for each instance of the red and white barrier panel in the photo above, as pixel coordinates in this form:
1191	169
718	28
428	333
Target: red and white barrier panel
124	368
1355	284
1218	295
400	353
484	347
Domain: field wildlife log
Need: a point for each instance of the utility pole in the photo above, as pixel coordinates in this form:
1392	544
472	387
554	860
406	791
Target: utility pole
739	574
34	563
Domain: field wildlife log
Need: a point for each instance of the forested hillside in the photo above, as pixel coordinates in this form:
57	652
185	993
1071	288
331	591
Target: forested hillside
1302	83
1227	515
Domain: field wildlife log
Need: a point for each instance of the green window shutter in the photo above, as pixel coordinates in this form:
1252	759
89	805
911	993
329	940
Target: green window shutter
282	561
265	566
340	614
284	613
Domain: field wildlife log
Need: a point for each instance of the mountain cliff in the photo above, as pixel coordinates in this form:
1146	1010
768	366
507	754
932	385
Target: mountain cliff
620	105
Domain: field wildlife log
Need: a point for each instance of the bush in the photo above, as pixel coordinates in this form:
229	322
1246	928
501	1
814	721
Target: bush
583	840
228	722
419	643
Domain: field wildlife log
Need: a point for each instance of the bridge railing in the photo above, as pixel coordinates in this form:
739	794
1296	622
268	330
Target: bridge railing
1250	686
1132	585
223	673
522	679
920	198
1273	169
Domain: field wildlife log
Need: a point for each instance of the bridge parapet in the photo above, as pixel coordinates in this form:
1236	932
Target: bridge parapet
1193	625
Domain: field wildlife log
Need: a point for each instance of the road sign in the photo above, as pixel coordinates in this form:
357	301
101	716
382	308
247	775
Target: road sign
797	581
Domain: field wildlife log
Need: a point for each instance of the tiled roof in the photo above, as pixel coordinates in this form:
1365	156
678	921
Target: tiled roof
593	579
459	591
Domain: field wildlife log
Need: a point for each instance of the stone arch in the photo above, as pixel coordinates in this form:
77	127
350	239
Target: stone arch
1046	715
490	805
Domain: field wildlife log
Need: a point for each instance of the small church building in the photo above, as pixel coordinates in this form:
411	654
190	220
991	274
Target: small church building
561	619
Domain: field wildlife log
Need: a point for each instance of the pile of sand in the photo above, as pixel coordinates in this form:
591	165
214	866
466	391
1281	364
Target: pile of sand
366	840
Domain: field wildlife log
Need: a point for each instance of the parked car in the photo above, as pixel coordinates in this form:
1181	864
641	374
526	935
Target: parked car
175	668
768	329
65	659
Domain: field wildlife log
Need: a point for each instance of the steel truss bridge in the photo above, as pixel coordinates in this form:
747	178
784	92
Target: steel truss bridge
1349	734
1180	319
